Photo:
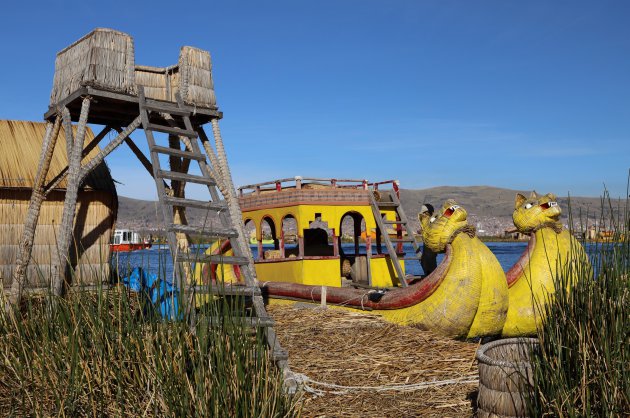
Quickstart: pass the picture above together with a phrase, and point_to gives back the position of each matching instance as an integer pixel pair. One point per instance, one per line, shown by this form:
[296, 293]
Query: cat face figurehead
[536, 211]
[440, 228]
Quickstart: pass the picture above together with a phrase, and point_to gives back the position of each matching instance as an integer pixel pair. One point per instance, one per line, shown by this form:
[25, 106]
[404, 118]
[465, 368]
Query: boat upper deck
[102, 65]
[307, 191]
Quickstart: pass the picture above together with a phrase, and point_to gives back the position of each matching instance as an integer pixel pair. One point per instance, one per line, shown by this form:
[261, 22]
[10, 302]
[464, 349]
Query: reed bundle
[195, 84]
[359, 350]
[103, 58]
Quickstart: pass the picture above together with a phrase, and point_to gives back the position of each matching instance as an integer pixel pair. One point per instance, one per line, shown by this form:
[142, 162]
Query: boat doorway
[354, 264]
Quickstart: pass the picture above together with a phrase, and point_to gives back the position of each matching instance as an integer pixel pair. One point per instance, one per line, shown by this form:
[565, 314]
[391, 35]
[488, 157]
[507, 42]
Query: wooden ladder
[403, 223]
[179, 125]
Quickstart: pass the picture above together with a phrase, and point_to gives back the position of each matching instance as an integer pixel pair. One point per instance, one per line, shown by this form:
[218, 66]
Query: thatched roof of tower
[20, 145]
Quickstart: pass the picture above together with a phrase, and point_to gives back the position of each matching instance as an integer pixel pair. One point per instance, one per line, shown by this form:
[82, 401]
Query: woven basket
[504, 377]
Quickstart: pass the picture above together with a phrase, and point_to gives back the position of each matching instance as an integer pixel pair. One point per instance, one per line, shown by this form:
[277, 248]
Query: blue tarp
[161, 295]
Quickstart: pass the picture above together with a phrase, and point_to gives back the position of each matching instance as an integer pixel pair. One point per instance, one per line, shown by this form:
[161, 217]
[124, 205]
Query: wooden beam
[90, 165]
[62, 174]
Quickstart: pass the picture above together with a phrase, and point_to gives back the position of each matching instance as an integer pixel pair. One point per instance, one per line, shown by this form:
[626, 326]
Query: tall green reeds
[583, 365]
[101, 354]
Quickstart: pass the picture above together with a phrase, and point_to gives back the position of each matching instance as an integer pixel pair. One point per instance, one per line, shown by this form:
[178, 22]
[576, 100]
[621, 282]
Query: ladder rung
[229, 290]
[213, 233]
[189, 203]
[172, 130]
[387, 205]
[178, 153]
[409, 258]
[174, 175]
[163, 108]
[214, 259]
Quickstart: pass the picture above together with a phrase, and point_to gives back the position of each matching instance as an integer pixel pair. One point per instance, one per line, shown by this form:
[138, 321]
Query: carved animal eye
[527, 206]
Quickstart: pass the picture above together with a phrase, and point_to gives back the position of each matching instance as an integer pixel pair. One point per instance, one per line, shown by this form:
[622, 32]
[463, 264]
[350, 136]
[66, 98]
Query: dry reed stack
[21, 143]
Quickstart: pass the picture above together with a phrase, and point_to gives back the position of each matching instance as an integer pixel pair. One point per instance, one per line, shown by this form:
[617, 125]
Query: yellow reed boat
[466, 295]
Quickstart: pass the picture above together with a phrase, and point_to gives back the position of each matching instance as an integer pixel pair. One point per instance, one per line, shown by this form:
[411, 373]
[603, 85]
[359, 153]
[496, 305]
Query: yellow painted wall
[304, 214]
[311, 272]
[383, 272]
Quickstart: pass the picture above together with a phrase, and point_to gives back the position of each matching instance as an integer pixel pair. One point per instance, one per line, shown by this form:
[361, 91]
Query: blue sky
[525, 95]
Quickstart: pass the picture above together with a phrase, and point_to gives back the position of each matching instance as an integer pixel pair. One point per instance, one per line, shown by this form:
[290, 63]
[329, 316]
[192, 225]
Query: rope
[331, 388]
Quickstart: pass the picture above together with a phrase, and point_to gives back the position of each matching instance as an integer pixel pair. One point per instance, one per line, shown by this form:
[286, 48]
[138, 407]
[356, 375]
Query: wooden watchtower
[97, 82]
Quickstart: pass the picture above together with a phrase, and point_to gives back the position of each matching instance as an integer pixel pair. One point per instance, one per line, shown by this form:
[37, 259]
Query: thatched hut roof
[21, 143]
[97, 205]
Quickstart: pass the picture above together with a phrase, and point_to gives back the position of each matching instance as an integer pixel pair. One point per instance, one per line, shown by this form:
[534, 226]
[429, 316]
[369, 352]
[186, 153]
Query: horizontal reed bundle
[505, 377]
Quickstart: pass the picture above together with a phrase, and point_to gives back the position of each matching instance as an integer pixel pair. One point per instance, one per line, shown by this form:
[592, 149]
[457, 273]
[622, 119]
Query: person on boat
[428, 259]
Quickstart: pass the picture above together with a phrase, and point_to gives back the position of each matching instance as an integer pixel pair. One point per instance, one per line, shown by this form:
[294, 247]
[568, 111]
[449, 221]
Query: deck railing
[297, 183]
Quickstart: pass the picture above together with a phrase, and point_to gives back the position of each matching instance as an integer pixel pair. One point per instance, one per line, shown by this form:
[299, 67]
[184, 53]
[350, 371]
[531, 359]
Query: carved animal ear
[449, 203]
[552, 197]
[533, 195]
[520, 199]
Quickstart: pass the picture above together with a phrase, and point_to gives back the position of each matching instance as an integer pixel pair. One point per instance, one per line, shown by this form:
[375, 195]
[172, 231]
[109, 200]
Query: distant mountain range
[489, 208]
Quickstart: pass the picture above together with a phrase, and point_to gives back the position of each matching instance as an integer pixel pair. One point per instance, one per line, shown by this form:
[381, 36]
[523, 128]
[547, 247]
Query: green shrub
[98, 354]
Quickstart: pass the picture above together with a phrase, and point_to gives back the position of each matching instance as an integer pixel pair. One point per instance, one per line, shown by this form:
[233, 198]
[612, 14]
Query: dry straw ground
[353, 349]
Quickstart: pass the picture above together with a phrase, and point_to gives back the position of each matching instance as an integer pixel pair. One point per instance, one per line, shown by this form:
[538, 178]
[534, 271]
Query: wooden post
[368, 255]
[37, 197]
[301, 246]
[335, 240]
[261, 253]
[74, 148]
[357, 233]
[399, 231]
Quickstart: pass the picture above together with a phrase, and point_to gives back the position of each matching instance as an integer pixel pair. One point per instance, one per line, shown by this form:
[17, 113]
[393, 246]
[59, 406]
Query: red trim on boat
[516, 270]
[129, 247]
[392, 299]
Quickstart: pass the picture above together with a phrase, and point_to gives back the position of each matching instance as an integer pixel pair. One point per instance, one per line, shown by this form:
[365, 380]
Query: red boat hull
[128, 247]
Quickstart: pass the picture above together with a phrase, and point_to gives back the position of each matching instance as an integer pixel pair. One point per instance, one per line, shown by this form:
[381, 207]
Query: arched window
[290, 237]
[268, 231]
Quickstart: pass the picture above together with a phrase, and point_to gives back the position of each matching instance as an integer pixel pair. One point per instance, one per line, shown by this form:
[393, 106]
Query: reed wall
[103, 58]
[95, 216]
[191, 77]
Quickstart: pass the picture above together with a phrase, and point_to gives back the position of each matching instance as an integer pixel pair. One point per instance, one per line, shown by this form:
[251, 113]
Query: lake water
[158, 258]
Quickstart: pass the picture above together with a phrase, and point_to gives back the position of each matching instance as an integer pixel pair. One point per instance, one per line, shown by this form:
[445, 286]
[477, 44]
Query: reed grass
[103, 353]
[581, 367]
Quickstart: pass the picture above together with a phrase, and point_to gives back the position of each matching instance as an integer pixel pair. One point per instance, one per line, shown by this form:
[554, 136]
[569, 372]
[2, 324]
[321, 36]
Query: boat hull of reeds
[552, 250]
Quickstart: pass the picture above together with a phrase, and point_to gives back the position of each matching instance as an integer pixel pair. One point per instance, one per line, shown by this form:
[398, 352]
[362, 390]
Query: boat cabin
[128, 240]
[323, 231]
